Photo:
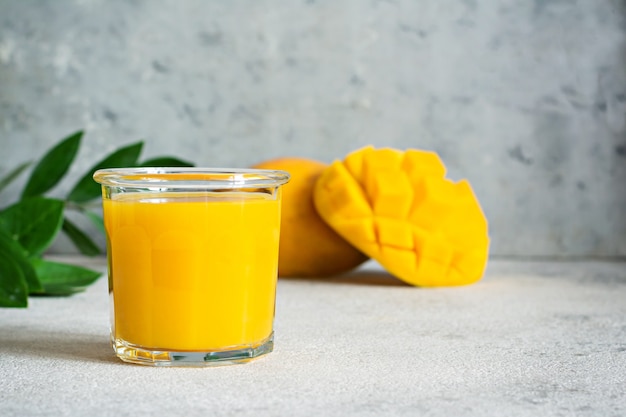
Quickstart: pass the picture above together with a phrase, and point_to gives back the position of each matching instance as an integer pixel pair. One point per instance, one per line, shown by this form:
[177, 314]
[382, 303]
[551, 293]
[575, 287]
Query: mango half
[398, 208]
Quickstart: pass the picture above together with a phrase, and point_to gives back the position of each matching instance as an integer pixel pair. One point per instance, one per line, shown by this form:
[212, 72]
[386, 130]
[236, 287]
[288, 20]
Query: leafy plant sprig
[30, 225]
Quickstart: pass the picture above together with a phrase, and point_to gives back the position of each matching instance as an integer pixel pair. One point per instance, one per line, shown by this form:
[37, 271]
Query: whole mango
[308, 246]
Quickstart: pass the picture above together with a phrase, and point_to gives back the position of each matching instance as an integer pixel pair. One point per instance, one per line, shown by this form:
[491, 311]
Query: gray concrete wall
[527, 99]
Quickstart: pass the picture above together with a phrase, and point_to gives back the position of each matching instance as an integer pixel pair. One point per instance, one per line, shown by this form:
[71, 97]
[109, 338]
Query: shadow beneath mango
[358, 277]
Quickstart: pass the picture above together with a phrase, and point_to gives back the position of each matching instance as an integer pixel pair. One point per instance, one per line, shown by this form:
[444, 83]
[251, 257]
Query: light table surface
[530, 339]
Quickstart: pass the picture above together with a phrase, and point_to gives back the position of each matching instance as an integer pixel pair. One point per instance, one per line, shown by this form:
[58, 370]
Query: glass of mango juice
[192, 263]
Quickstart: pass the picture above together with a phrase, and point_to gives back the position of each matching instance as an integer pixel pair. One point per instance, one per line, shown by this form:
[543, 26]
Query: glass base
[236, 355]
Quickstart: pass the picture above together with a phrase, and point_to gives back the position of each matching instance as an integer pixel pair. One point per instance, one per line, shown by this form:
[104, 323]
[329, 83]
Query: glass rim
[190, 177]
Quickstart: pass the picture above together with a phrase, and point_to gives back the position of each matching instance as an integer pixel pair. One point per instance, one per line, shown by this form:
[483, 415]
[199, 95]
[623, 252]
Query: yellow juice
[192, 271]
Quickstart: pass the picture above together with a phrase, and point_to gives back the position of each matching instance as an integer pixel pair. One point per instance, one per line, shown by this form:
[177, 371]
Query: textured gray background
[527, 99]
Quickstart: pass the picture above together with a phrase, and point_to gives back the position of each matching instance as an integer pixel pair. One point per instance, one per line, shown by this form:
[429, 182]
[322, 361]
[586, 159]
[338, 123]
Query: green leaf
[63, 279]
[87, 189]
[85, 245]
[33, 223]
[96, 220]
[8, 178]
[13, 287]
[165, 161]
[17, 254]
[52, 166]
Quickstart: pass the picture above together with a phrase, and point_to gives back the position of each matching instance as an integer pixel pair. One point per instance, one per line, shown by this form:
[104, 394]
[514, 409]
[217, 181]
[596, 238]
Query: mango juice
[192, 271]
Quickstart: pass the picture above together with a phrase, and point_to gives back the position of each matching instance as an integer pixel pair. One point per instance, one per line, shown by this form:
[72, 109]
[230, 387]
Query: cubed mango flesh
[398, 208]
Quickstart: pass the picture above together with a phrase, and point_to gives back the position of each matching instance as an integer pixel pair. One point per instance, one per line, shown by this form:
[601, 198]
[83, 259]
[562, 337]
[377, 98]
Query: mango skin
[398, 208]
[308, 246]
